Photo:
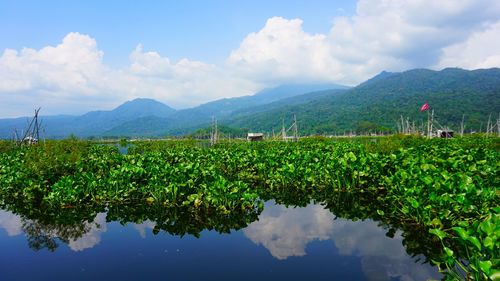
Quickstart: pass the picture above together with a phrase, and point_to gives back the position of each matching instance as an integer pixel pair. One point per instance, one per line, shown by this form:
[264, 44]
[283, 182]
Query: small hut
[255, 136]
[445, 133]
[30, 140]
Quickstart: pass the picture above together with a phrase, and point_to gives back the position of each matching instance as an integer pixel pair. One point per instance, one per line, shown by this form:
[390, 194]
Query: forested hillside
[378, 104]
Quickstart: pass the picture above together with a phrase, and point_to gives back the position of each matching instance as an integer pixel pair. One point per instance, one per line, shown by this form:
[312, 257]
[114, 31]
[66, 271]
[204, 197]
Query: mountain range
[379, 103]
[374, 105]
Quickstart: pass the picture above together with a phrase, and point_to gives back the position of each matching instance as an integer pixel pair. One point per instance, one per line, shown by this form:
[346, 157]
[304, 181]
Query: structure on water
[293, 127]
[32, 133]
[255, 136]
[214, 135]
[444, 133]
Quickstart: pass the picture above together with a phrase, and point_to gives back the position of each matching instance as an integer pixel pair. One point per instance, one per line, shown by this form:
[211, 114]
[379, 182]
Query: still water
[284, 243]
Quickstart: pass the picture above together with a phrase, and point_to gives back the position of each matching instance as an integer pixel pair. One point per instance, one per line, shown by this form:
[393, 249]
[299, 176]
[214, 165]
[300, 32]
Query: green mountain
[93, 123]
[284, 103]
[98, 122]
[188, 120]
[225, 107]
[379, 103]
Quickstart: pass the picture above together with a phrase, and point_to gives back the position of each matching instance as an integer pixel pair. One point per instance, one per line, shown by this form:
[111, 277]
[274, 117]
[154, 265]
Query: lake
[284, 243]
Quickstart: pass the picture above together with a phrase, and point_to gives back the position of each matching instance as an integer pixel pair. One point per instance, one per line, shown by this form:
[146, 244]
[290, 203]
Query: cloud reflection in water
[92, 237]
[285, 232]
[89, 237]
[143, 227]
[11, 223]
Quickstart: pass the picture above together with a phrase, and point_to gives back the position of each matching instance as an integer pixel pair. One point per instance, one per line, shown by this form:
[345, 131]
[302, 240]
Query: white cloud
[75, 65]
[149, 63]
[383, 35]
[185, 83]
[72, 77]
[481, 50]
[282, 50]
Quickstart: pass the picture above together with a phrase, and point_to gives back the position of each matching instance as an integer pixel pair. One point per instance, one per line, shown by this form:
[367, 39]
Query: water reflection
[11, 223]
[82, 229]
[286, 232]
[377, 250]
[40, 234]
[89, 233]
[93, 235]
[143, 227]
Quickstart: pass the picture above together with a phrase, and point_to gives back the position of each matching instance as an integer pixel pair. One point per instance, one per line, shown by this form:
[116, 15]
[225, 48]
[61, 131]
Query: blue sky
[198, 29]
[70, 57]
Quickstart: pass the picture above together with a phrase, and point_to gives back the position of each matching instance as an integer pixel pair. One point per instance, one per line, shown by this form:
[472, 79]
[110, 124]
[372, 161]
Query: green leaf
[485, 266]
[438, 232]
[448, 251]
[352, 156]
[436, 222]
[414, 203]
[380, 212]
[428, 180]
[486, 226]
[475, 242]
[495, 274]
[461, 232]
[488, 243]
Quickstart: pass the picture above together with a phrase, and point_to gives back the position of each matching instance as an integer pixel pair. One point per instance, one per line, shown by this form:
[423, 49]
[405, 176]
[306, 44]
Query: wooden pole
[213, 135]
[498, 125]
[488, 129]
[36, 129]
[462, 126]
[430, 123]
[402, 125]
[283, 131]
[295, 129]
[216, 132]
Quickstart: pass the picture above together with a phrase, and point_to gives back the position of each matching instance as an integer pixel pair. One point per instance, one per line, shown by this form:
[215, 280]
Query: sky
[70, 57]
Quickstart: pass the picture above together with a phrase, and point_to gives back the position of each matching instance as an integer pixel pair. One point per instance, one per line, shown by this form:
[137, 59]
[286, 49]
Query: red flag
[424, 107]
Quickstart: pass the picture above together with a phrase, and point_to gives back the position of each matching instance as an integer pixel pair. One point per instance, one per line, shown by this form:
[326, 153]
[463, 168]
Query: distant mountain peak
[296, 89]
[382, 75]
[141, 101]
[144, 107]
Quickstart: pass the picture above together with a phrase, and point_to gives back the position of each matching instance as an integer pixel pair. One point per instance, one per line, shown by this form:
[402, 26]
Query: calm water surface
[283, 244]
